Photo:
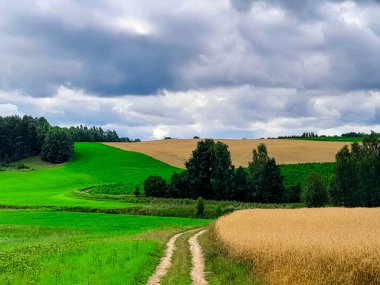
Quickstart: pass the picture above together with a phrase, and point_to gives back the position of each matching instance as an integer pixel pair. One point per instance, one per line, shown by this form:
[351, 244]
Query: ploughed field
[177, 151]
[306, 246]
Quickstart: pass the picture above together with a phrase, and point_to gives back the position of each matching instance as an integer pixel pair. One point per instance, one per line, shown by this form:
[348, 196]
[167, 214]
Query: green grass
[295, 175]
[179, 272]
[222, 267]
[94, 164]
[81, 248]
[177, 207]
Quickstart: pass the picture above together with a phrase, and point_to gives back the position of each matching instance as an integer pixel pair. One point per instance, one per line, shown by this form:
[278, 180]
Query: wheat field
[306, 246]
[177, 151]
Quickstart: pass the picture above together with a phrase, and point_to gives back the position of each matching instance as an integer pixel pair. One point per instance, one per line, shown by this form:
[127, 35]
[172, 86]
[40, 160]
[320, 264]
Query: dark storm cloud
[242, 5]
[184, 68]
[94, 57]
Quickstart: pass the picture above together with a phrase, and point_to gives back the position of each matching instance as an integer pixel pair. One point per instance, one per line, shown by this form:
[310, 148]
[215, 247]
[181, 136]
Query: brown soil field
[306, 246]
[177, 151]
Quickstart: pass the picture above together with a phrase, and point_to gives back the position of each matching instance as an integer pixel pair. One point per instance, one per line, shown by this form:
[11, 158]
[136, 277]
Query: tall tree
[222, 171]
[199, 169]
[265, 180]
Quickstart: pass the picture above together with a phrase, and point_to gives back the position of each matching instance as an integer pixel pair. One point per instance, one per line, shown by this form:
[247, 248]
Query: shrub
[155, 186]
[200, 210]
[137, 192]
[314, 192]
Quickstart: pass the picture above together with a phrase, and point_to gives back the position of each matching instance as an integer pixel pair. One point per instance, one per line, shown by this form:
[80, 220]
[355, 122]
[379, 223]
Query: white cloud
[244, 111]
[9, 110]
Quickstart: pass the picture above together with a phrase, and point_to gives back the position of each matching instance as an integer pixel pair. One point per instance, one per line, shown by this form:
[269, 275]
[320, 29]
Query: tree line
[210, 174]
[26, 136]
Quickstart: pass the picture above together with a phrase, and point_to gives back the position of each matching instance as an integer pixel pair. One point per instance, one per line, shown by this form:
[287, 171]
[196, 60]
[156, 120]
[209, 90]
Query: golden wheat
[306, 246]
[177, 151]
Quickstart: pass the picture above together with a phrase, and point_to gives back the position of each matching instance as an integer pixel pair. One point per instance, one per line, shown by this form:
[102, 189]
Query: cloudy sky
[212, 68]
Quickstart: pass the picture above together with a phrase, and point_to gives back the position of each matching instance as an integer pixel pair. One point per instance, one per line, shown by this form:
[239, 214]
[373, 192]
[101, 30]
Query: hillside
[177, 151]
[93, 164]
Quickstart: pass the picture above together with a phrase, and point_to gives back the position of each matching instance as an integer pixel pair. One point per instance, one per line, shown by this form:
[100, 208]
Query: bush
[155, 186]
[314, 192]
[200, 210]
[137, 192]
[58, 146]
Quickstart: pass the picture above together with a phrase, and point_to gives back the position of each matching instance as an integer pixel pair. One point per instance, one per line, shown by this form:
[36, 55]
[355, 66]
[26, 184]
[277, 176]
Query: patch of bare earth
[177, 151]
[166, 261]
[198, 261]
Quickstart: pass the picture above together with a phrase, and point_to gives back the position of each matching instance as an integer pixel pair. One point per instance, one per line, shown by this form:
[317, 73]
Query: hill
[177, 151]
[93, 164]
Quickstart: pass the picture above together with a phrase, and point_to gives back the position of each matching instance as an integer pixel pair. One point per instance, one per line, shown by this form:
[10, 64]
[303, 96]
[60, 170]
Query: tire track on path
[198, 261]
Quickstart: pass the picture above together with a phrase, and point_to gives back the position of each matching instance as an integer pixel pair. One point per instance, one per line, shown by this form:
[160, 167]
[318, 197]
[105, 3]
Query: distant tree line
[315, 135]
[304, 135]
[95, 134]
[210, 174]
[25, 136]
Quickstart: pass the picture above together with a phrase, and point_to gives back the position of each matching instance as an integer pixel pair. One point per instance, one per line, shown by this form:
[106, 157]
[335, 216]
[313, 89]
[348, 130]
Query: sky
[208, 68]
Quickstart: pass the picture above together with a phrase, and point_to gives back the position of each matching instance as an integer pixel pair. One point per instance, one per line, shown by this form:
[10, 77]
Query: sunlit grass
[94, 164]
[82, 248]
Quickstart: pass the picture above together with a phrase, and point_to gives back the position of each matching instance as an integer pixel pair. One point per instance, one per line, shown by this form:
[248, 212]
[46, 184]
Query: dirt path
[198, 262]
[166, 261]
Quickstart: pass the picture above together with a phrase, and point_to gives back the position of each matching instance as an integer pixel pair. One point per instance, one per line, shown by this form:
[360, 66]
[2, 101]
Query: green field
[295, 175]
[50, 247]
[94, 164]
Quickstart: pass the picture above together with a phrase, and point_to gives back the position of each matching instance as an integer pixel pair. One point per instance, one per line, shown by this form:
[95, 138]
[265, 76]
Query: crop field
[49, 247]
[177, 151]
[306, 246]
[94, 164]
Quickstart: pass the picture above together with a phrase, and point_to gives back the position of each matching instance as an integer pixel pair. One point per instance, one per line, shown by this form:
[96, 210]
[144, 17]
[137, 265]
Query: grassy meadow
[52, 247]
[47, 246]
[94, 164]
[306, 246]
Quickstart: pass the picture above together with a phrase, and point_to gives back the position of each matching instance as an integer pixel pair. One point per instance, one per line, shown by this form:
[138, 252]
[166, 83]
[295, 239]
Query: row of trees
[95, 134]
[21, 137]
[25, 136]
[357, 175]
[356, 181]
[210, 174]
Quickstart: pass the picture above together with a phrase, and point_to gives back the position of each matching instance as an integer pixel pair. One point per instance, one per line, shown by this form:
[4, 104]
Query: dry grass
[307, 246]
[176, 151]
